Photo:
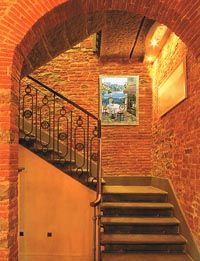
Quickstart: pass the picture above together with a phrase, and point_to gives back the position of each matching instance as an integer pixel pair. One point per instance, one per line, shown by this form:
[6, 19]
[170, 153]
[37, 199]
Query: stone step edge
[139, 239]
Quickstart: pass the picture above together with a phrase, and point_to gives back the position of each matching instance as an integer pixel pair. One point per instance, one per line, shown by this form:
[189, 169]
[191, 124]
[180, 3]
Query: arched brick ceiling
[119, 32]
[182, 17]
[60, 38]
[123, 35]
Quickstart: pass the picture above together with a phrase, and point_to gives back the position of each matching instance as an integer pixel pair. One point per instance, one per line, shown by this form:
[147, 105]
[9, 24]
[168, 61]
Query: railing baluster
[36, 118]
[54, 119]
[88, 136]
[27, 113]
[71, 138]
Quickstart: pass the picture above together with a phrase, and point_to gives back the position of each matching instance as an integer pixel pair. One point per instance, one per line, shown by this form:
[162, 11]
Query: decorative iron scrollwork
[79, 171]
[62, 136]
[79, 146]
[45, 125]
[79, 121]
[45, 100]
[94, 156]
[59, 129]
[62, 111]
[28, 89]
[27, 137]
[45, 149]
[27, 114]
[95, 131]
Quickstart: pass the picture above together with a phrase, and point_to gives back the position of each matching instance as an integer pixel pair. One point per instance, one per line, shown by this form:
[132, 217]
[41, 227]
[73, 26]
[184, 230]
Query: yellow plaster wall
[50, 201]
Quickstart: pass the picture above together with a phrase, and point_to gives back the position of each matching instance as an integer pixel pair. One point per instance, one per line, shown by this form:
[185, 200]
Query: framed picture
[173, 90]
[119, 100]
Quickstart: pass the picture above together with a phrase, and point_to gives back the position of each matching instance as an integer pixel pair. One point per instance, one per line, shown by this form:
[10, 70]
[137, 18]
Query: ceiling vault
[136, 38]
[117, 36]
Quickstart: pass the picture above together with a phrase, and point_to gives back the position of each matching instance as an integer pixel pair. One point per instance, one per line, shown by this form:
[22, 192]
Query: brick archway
[70, 22]
[23, 26]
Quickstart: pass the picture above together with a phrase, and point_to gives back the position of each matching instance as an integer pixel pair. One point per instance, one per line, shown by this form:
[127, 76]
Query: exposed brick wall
[75, 73]
[17, 18]
[176, 152]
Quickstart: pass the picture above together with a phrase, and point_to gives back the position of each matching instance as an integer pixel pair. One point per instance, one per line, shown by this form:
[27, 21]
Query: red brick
[175, 152]
[163, 11]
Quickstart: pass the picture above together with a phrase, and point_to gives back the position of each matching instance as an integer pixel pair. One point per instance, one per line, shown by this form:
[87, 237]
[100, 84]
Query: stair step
[146, 243]
[144, 257]
[142, 239]
[138, 205]
[133, 194]
[142, 225]
[136, 209]
[128, 180]
[144, 220]
[132, 189]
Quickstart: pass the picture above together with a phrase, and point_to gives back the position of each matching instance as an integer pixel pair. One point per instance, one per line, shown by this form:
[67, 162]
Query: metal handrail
[95, 204]
[63, 97]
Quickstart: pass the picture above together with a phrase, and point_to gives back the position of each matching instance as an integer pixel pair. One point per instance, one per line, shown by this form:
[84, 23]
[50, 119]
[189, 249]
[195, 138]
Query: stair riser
[163, 248]
[140, 229]
[146, 212]
[134, 198]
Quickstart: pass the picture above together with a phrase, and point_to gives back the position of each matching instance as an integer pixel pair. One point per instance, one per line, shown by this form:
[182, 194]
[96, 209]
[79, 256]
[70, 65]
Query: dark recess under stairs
[138, 225]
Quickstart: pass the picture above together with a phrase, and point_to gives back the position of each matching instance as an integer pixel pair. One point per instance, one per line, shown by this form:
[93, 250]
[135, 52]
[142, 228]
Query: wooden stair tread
[142, 239]
[140, 220]
[144, 257]
[132, 190]
[158, 205]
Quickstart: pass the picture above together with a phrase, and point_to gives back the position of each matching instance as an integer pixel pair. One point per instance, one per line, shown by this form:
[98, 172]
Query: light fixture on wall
[151, 58]
[155, 40]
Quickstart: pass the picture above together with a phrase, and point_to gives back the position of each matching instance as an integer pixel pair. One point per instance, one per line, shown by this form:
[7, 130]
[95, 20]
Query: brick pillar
[8, 163]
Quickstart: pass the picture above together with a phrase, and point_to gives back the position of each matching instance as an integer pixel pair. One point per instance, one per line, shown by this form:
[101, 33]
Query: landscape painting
[119, 100]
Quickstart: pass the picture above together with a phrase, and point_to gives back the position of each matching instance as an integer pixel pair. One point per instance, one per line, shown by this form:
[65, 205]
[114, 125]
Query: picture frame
[173, 90]
[119, 98]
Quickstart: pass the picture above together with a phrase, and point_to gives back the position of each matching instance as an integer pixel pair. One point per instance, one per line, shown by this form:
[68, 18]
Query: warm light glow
[154, 42]
[159, 32]
[150, 59]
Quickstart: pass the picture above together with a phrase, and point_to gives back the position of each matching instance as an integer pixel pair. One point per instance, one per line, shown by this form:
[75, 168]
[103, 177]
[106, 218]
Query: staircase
[137, 222]
[138, 225]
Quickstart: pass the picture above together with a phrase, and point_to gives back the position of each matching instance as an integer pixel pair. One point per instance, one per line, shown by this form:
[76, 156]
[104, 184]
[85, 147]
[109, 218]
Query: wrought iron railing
[60, 126]
[65, 132]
